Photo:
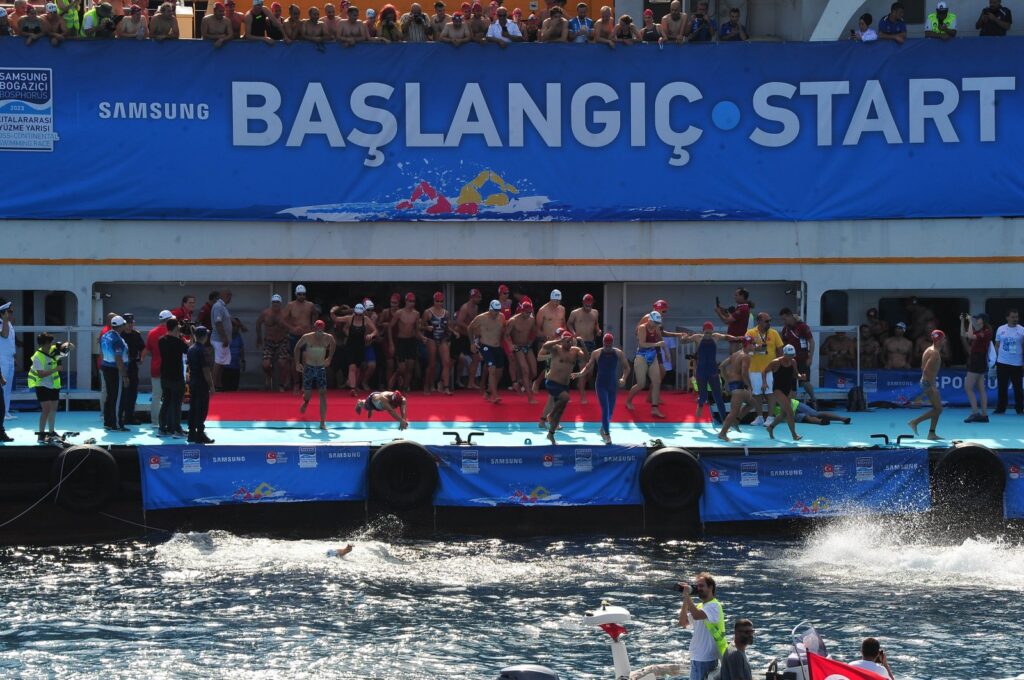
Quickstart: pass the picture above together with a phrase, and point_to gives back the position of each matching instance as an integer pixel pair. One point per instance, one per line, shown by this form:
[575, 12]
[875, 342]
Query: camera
[418, 18]
[693, 588]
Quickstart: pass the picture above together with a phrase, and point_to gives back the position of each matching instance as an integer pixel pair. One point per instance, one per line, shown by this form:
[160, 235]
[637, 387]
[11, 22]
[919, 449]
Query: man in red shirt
[737, 317]
[184, 313]
[798, 334]
[152, 350]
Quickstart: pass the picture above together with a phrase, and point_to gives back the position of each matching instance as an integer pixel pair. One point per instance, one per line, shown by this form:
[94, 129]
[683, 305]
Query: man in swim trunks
[550, 317]
[486, 330]
[736, 371]
[384, 345]
[272, 336]
[312, 357]
[299, 316]
[563, 355]
[931, 362]
[392, 403]
[352, 30]
[507, 311]
[584, 322]
[467, 312]
[783, 385]
[606, 362]
[405, 332]
[520, 332]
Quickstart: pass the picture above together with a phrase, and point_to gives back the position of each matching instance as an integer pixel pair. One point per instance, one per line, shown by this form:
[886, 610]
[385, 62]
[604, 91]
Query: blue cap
[202, 330]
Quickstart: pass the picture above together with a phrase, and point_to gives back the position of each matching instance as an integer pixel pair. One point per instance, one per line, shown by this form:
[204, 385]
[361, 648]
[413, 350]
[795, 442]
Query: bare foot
[724, 437]
[846, 421]
[551, 436]
[496, 400]
[302, 409]
[354, 393]
[629, 405]
[797, 437]
[913, 426]
[323, 426]
[472, 386]
[656, 413]
[934, 437]
[542, 423]
[771, 431]
[530, 399]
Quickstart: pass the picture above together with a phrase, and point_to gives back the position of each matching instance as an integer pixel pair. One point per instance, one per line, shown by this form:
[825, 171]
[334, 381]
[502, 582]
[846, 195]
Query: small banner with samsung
[198, 476]
[902, 387]
[1013, 498]
[539, 476]
[814, 484]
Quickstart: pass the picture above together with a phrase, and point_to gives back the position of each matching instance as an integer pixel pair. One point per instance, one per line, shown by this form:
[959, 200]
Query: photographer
[701, 27]
[44, 379]
[873, 659]
[415, 26]
[99, 23]
[708, 620]
[388, 29]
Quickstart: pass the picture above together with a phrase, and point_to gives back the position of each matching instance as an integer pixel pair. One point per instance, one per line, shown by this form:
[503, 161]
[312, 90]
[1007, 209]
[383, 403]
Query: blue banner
[814, 484]
[199, 476]
[902, 387]
[754, 131]
[1013, 499]
[539, 476]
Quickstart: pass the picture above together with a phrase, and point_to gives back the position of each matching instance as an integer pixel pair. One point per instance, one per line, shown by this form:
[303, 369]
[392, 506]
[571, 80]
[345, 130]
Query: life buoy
[671, 479]
[86, 478]
[403, 475]
[969, 477]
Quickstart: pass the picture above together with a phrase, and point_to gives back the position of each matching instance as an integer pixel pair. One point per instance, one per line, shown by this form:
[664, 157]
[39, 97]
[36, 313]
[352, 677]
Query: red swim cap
[319, 325]
[438, 296]
[661, 306]
[397, 397]
[527, 306]
[410, 297]
[708, 326]
[937, 334]
[395, 297]
[588, 299]
[567, 335]
[609, 339]
[502, 289]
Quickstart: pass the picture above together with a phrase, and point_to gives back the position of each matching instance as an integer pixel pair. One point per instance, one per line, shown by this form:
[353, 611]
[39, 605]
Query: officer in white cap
[114, 367]
[940, 24]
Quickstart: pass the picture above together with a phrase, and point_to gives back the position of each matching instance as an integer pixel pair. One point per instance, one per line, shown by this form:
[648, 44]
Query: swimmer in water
[340, 552]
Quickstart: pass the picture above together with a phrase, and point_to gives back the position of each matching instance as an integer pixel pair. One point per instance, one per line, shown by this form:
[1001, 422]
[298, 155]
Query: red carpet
[463, 406]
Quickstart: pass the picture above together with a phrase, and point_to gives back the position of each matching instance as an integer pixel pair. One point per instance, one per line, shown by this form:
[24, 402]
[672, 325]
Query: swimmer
[563, 355]
[584, 322]
[392, 403]
[486, 332]
[437, 323]
[313, 354]
[931, 362]
[520, 331]
[783, 385]
[736, 371]
[606, 362]
[340, 552]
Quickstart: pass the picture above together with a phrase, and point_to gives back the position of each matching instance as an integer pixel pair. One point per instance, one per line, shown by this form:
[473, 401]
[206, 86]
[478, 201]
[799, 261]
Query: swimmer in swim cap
[393, 403]
[313, 354]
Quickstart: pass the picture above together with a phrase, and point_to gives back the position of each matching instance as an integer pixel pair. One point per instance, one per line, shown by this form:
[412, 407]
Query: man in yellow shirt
[767, 344]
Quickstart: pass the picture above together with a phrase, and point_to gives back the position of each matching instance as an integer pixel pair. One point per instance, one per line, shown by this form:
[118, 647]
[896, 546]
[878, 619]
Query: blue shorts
[737, 385]
[650, 354]
[370, 354]
[555, 389]
[494, 357]
[590, 345]
[314, 376]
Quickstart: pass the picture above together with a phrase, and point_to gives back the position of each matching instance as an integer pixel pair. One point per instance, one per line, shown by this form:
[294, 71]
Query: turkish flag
[827, 669]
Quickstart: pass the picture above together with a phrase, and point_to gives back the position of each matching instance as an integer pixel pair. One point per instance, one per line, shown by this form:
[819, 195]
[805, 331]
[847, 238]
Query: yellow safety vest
[48, 363]
[717, 630]
[933, 21]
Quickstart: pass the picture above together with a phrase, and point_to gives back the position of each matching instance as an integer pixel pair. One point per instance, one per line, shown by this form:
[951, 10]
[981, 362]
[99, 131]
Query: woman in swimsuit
[651, 32]
[625, 32]
[435, 322]
[359, 333]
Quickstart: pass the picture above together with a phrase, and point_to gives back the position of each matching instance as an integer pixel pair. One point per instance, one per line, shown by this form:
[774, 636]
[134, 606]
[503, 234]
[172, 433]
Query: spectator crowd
[348, 25]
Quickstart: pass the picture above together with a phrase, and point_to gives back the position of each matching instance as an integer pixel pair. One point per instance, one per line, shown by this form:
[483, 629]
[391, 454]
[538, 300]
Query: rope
[142, 526]
[56, 487]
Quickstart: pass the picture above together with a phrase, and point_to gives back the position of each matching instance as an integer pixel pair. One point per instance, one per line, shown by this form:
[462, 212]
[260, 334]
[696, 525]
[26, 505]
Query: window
[835, 308]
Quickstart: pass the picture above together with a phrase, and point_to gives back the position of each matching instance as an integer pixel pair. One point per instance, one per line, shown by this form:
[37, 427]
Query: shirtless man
[555, 29]
[520, 332]
[478, 24]
[736, 371]
[673, 24]
[299, 316]
[507, 311]
[133, 26]
[313, 31]
[840, 350]
[604, 28]
[925, 341]
[216, 26]
[438, 20]
[352, 30]
[897, 349]
[550, 318]
[392, 403]
[456, 33]
[53, 24]
[384, 345]
[312, 357]
[562, 355]
[467, 312]
[331, 22]
[236, 18]
[272, 336]
[487, 330]
[406, 333]
[879, 328]
[931, 362]
[584, 322]
[870, 350]
[163, 25]
[293, 24]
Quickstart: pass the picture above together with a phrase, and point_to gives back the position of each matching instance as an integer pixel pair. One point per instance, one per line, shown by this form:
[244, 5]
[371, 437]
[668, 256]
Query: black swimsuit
[651, 34]
[785, 379]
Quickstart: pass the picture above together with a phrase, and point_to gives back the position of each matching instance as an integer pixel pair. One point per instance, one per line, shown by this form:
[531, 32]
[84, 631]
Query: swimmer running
[563, 355]
[606, 361]
[312, 357]
[392, 403]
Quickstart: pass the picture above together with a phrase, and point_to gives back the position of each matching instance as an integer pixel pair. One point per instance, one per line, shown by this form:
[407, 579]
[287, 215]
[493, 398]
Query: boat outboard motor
[527, 671]
[805, 639]
[610, 620]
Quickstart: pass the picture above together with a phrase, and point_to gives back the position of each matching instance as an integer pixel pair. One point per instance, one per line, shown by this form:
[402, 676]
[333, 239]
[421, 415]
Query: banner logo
[26, 109]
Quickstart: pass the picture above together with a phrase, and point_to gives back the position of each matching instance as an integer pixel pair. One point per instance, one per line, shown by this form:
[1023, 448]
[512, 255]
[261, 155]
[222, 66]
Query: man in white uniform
[8, 350]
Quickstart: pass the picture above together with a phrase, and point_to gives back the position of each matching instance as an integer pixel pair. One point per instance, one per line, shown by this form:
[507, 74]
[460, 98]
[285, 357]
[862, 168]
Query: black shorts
[977, 362]
[406, 349]
[494, 357]
[803, 366]
[460, 345]
[47, 394]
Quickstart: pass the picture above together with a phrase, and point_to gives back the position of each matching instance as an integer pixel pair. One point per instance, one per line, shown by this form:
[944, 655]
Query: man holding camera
[708, 620]
[873, 659]
[414, 25]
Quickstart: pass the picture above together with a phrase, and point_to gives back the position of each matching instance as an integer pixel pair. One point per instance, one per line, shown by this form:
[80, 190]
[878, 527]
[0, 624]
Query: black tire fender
[86, 477]
[969, 471]
[403, 475]
[671, 479]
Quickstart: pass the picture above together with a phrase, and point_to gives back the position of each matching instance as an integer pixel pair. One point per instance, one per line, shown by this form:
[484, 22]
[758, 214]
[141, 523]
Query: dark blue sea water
[214, 605]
